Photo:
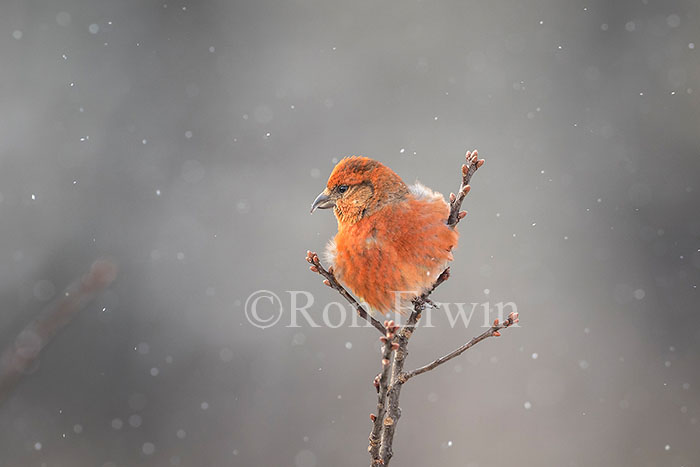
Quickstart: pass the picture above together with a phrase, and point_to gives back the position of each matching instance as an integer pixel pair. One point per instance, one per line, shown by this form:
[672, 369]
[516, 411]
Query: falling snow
[190, 104]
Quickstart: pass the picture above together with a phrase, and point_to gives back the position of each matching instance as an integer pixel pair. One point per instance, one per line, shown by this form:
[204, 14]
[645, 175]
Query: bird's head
[359, 186]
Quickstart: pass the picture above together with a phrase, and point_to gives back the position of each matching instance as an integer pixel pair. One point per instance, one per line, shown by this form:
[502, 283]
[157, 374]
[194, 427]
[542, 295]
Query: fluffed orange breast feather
[403, 247]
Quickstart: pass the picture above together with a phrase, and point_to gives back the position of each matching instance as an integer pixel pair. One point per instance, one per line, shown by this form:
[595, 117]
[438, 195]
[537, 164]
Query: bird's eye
[342, 189]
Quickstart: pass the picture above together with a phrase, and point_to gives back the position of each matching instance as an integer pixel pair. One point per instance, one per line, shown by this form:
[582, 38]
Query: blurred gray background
[186, 140]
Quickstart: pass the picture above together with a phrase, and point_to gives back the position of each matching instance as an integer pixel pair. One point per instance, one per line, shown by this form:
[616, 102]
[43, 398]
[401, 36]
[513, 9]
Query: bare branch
[468, 169]
[333, 283]
[393, 411]
[492, 331]
[19, 356]
[381, 382]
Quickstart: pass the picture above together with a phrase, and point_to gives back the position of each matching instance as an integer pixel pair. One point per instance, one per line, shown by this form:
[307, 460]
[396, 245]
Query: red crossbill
[393, 240]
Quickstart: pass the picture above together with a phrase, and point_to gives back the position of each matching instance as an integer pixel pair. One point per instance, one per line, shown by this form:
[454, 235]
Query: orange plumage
[392, 241]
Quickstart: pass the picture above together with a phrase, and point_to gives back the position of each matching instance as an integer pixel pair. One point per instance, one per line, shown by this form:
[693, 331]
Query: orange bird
[393, 240]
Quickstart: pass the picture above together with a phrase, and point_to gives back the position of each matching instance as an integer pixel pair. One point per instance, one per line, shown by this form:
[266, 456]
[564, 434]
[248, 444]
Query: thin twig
[19, 356]
[399, 377]
[492, 331]
[468, 169]
[333, 283]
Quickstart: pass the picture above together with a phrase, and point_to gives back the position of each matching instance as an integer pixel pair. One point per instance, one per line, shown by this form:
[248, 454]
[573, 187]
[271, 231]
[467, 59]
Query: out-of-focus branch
[332, 282]
[26, 347]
